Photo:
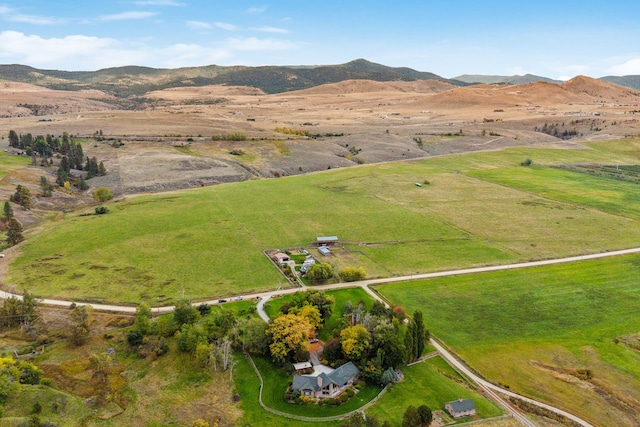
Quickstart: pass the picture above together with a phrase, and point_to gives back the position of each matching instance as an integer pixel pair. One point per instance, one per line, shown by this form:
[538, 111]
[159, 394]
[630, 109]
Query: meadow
[431, 383]
[208, 242]
[535, 329]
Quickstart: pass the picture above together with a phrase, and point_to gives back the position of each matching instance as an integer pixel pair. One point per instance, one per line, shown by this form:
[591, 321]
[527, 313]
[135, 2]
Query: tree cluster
[15, 372]
[69, 151]
[417, 417]
[375, 341]
[15, 312]
[22, 197]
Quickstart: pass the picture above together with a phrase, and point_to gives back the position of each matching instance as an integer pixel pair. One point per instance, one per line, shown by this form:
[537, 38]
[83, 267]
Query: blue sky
[558, 39]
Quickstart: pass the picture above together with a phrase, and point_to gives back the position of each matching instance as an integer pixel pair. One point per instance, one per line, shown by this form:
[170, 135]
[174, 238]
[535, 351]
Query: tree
[14, 140]
[319, 272]
[8, 211]
[411, 418]
[426, 416]
[79, 324]
[143, 318]
[419, 334]
[47, 188]
[352, 274]
[315, 298]
[355, 341]
[310, 313]
[288, 334]
[14, 232]
[388, 377]
[22, 196]
[185, 313]
[102, 194]
[409, 346]
[254, 336]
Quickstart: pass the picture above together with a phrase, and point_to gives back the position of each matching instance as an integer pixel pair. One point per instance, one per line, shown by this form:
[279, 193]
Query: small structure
[324, 250]
[326, 384]
[326, 240]
[306, 265]
[460, 408]
[301, 366]
[281, 257]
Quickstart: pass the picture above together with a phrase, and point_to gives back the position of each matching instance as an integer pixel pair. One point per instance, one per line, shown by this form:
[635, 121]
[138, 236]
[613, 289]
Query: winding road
[491, 389]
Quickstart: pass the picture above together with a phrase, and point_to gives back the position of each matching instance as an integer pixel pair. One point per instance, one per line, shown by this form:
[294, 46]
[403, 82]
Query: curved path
[490, 388]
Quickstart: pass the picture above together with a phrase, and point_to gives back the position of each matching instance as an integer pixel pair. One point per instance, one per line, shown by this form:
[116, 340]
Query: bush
[102, 194]
[350, 392]
[352, 274]
[134, 337]
[101, 210]
[527, 162]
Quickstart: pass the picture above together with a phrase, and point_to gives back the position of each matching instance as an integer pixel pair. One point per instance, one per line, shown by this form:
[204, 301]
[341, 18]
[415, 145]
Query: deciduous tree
[288, 334]
[355, 341]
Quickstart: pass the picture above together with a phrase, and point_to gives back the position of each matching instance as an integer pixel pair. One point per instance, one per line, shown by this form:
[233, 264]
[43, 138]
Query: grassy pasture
[208, 242]
[432, 383]
[601, 193]
[532, 329]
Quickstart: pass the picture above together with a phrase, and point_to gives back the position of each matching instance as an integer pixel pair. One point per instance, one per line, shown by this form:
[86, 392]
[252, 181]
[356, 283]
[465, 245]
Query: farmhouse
[460, 408]
[281, 257]
[326, 384]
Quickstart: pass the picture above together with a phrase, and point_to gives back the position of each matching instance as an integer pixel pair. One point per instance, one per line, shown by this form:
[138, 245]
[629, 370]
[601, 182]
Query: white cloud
[198, 25]
[124, 16]
[184, 55]
[10, 15]
[267, 29]
[253, 43]
[630, 67]
[225, 26]
[254, 9]
[35, 50]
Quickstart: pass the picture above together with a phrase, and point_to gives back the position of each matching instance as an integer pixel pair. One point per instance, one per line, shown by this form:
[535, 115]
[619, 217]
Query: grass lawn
[276, 382]
[208, 242]
[247, 385]
[432, 383]
[532, 329]
[9, 163]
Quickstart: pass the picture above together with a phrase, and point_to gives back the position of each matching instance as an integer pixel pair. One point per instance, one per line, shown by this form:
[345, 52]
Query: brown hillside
[367, 86]
[197, 92]
[599, 89]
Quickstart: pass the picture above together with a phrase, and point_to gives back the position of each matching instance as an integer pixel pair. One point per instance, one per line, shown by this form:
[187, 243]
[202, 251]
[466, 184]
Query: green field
[432, 383]
[533, 328]
[208, 242]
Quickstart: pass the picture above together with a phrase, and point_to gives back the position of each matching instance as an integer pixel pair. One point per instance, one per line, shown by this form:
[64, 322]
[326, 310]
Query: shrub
[102, 194]
[527, 162]
[101, 210]
[350, 392]
[134, 337]
[352, 274]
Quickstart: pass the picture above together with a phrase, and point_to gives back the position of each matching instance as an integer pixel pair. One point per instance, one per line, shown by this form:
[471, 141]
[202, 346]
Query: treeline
[69, 152]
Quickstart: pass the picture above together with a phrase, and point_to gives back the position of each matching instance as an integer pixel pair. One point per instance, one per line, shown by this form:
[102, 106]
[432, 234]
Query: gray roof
[339, 376]
[461, 405]
[323, 239]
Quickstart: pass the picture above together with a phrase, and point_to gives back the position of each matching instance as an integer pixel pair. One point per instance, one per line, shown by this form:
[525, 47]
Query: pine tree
[8, 211]
[14, 140]
[419, 334]
[14, 232]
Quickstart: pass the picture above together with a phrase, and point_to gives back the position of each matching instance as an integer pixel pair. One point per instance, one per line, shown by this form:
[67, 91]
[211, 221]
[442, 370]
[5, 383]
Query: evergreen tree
[47, 188]
[14, 232]
[8, 211]
[14, 140]
[409, 341]
[101, 169]
[419, 334]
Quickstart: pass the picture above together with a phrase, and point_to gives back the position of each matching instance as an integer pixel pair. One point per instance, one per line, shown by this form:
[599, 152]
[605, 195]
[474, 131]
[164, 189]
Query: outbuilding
[281, 257]
[326, 240]
[460, 408]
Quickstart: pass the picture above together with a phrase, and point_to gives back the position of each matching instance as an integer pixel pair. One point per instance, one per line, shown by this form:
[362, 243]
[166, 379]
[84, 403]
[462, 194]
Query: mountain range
[135, 81]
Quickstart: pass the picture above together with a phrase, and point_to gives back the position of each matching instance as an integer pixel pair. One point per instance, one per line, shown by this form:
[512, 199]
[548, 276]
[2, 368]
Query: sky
[558, 39]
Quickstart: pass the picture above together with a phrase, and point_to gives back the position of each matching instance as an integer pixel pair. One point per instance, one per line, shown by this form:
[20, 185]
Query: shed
[460, 408]
[326, 240]
[301, 366]
[324, 250]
